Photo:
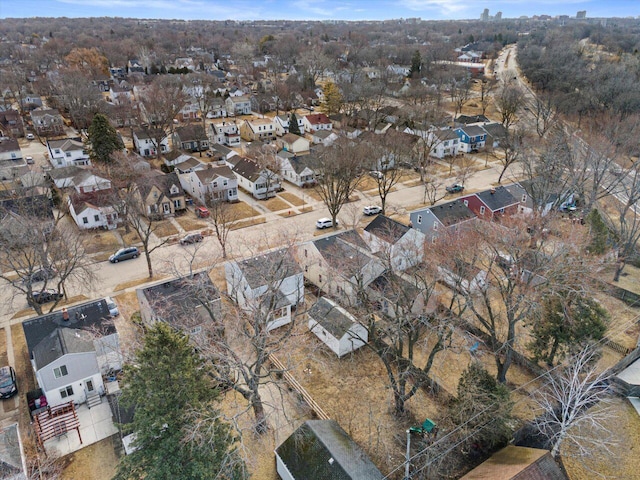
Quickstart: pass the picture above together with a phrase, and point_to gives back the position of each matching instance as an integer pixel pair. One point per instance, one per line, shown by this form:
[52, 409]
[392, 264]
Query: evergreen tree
[103, 139]
[332, 102]
[293, 124]
[599, 233]
[178, 430]
[416, 65]
[483, 406]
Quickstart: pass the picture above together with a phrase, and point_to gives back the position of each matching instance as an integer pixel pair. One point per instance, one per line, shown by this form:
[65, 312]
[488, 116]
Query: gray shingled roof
[497, 198]
[265, 268]
[340, 252]
[322, 450]
[452, 213]
[387, 229]
[335, 319]
[61, 342]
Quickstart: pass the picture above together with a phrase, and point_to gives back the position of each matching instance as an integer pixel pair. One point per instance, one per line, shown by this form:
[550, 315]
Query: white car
[31, 136]
[111, 305]
[372, 210]
[29, 160]
[376, 174]
[325, 223]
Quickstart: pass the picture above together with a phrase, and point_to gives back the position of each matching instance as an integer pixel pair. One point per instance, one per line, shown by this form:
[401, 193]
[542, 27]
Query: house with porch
[492, 203]
[145, 143]
[240, 105]
[259, 182]
[68, 152]
[226, 133]
[48, 122]
[70, 351]
[336, 328]
[93, 211]
[10, 158]
[191, 138]
[401, 246]
[471, 138]
[211, 184]
[297, 169]
[161, 194]
[281, 123]
[191, 304]
[444, 219]
[271, 283]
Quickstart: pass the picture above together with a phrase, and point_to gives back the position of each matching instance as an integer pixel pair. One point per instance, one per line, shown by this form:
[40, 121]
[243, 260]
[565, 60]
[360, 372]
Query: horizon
[314, 10]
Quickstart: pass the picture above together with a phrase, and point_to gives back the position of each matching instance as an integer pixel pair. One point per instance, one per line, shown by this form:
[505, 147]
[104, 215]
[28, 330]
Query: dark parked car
[8, 383]
[191, 238]
[455, 188]
[46, 296]
[40, 275]
[124, 254]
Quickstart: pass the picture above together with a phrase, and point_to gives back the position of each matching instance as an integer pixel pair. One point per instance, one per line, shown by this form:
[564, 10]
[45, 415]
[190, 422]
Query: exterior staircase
[93, 399]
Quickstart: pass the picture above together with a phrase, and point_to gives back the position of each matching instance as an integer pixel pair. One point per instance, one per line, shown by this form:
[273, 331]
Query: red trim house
[491, 203]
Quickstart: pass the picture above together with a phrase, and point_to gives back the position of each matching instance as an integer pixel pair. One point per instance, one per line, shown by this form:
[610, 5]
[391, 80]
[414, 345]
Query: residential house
[399, 70]
[518, 463]
[339, 265]
[30, 102]
[191, 304]
[260, 182]
[93, 211]
[174, 157]
[321, 449]
[444, 143]
[496, 133]
[472, 138]
[316, 121]
[12, 164]
[525, 190]
[395, 296]
[13, 210]
[240, 105]
[120, 93]
[221, 153]
[290, 142]
[135, 66]
[281, 123]
[190, 164]
[71, 349]
[190, 111]
[324, 137]
[217, 109]
[447, 218]
[68, 152]
[401, 246]
[226, 133]
[470, 120]
[48, 123]
[488, 204]
[270, 284]
[144, 142]
[297, 170]
[336, 328]
[261, 129]
[11, 124]
[63, 177]
[191, 137]
[463, 277]
[161, 194]
[211, 184]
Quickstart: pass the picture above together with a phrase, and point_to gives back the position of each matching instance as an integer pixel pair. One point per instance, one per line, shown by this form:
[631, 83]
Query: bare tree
[339, 169]
[460, 91]
[573, 403]
[433, 189]
[224, 218]
[487, 86]
[509, 101]
[511, 145]
[545, 113]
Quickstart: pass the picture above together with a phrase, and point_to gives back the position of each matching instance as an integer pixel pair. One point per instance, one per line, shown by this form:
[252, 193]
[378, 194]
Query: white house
[67, 152]
[297, 170]
[401, 246]
[92, 212]
[463, 277]
[261, 129]
[293, 143]
[271, 283]
[281, 123]
[240, 105]
[336, 327]
[145, 145]
[260, 182]
[444, 143]
[317, 121]
[226, 133]
[324, 137]
[211, 184]
[70, 350]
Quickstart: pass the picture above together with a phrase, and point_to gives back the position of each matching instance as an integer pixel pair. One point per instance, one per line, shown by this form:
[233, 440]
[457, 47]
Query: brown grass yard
[276, 204]
[164, 228]
[104, 241]
[241, 210]
[291, 198]
[248, 223]
[190, 224]
[130, 238]
[95, 462]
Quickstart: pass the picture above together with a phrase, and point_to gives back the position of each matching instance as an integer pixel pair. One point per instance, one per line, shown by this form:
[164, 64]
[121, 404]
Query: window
[66, 392]
[466, 203]
[96, 218]
[306, 253]
[68, 154]
[306, 269]
[60, 371]
[215, 184]
[481, 210]
[195, 330]
[85, 220]
[419, 219]
[319, 278]
[435, 227]
[501, 210]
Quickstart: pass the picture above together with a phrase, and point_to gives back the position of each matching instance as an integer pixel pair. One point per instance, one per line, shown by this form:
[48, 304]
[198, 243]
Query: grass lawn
[101, 242]
[312, 193]
[139, 281]
[248, 223]
[241, 211]
[164, 228]
[190, 224]
[291, 198]
[275, 204]
[130, 238]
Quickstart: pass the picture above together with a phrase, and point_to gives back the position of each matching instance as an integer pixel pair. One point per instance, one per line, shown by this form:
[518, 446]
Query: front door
[89, 385]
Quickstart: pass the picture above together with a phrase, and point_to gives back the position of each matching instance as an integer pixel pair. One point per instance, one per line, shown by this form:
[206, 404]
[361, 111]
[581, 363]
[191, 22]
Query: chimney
[493, 190]
[65, 315]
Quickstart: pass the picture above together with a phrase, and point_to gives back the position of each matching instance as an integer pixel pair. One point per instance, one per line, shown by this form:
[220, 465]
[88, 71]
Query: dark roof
[445, 134]
[180, 299]
[518, 463]
[191, 132]
[496, 130]
[452, 213]
[208, 175]
[60, 342]
[394, 288]
[473, 130]
[389, 230]
[39, 206]
[267, 267]
[299, 163]
[92, 316]
[9, 145]
[322, 450]
[335, 319]
[497, 198]
[467, 119]
[221, 149]
[247, 168]
[344, 251]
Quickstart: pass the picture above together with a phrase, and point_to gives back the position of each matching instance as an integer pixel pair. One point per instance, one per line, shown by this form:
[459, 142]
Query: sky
[312, 9]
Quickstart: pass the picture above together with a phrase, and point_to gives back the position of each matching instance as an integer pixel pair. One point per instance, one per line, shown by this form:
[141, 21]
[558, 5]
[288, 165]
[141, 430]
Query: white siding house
[336, 327]
[145, 144]
[67, 152]
[216, 183]
[401, 245]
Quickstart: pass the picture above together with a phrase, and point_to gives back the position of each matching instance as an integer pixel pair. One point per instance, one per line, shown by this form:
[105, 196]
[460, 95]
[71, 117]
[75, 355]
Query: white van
[325, 223]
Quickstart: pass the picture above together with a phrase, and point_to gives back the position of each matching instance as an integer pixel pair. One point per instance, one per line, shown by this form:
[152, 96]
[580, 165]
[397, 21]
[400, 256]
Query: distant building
[498, 16]
[581, 14]
[485, 15]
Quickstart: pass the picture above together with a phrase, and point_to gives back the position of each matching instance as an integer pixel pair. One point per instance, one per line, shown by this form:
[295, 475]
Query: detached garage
[336, 327]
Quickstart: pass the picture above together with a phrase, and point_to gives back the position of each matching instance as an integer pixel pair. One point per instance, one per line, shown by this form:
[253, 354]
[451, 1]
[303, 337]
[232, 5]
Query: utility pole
[406, 463]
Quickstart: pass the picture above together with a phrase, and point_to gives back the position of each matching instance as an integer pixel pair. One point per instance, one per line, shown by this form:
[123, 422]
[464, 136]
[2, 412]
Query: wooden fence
[293, 383]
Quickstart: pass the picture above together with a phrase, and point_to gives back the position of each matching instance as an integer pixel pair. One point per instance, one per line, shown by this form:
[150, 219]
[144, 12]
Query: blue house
[472, 138]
